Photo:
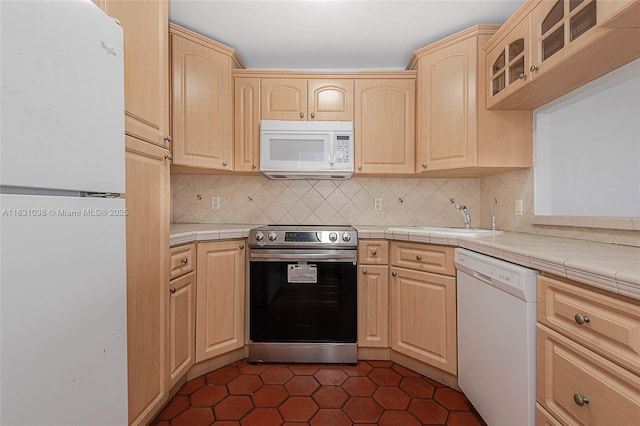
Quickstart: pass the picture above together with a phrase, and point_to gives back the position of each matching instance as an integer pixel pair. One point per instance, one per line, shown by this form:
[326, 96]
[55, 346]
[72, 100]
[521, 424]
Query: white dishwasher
[497, 303]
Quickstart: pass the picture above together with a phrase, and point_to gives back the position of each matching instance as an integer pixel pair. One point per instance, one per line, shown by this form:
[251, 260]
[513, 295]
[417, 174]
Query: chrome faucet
[492, 215]
[465, 215]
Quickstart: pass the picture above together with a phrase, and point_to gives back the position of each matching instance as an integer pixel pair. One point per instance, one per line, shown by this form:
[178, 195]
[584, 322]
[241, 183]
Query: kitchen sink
[466, 232]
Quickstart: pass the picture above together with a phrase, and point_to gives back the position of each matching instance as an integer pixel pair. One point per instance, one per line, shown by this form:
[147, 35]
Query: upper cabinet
[202, 100]
[457, 135]
[247, 124]
[302, 99]
[384, 125]
[146, 64]
[550, 47]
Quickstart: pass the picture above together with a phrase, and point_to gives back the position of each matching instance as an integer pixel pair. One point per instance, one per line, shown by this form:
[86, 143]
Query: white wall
[587, 149]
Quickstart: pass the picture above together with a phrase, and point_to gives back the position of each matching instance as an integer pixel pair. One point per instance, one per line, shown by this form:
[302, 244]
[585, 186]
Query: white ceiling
[333, 35]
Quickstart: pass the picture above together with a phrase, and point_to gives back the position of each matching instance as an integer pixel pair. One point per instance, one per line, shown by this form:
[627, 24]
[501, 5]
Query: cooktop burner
[311, 236]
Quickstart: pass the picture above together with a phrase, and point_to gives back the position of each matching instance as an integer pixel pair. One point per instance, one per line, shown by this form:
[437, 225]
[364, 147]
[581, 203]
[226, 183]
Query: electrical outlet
[215, 203]
[377, 204]
[518, 207]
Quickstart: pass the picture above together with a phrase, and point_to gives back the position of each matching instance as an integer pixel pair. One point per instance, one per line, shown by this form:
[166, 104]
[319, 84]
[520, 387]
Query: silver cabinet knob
[241, 246]
[424, 165]
[359, 167]
[523, 76]
[225, 163]
[184, 260]
[580, 399]
[168, 139]
[253, 166]
[364, 271]
[313, 115]
[394, 274]
[581, 319]
[172, 290]
[418, 257]
[301, 114]
[168, 157]
[374, 252]
[533, 68]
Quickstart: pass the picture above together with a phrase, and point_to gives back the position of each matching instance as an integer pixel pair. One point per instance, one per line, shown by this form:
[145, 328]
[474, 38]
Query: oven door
[303, 296]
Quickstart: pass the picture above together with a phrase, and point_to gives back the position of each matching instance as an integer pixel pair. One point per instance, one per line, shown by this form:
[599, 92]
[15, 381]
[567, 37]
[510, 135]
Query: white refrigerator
[63, 342]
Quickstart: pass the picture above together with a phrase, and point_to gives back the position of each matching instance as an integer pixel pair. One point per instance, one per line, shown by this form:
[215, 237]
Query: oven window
[283, 309]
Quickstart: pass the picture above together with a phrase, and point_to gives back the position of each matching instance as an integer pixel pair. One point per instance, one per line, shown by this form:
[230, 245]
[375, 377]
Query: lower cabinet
[588, 355]
[423, 304]
[220, 298]
[373, 294]
[182, 315]
[147, 203]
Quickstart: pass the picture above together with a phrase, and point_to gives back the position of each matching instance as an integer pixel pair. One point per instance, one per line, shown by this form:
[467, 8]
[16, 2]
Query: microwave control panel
[343, 148]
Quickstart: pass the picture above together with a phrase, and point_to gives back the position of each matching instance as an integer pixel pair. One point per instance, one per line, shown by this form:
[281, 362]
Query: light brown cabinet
[423, 304]
[202, 100]
[247, 125]
[568, 45]
[220, 293]
[373, 294]
[588, 354]
[147, 203]
[146, 87]
[307, 99]
[457, 135]
[384, 124]
[182, 315]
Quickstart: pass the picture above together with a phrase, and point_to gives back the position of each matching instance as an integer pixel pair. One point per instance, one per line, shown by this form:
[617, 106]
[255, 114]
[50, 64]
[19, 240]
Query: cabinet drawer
[182, 260]
[373, 252]
[568, 372]
[604, 324]
[423, 257]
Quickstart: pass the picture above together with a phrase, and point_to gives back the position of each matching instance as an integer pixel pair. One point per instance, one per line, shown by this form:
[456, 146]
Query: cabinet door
[508, 63]
[448, 136]
[373, 306]
[619, 14]
[568, 373]
[146, 83]
[283, 99]
[247, 125]
[220, 298]
[385, 126]
[202, 105]
[182, 316]
[423, 317]
[330, 100]
[147, 203]
[559, 29]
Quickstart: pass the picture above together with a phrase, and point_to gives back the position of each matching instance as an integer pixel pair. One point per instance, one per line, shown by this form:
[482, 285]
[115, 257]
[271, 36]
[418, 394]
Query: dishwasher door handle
[482, 277]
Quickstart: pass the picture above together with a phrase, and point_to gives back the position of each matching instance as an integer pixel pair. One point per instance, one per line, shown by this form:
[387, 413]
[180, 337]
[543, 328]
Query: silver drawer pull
[172, 290]
[580, 399]
[184, 260]
[581, 319]
[394, 274]
[374, 252]
[418, 257]
[241, 246]
[364, 271]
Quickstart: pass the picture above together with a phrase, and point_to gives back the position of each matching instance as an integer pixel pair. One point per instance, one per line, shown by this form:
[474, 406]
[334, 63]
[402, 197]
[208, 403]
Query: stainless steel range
[303, 294]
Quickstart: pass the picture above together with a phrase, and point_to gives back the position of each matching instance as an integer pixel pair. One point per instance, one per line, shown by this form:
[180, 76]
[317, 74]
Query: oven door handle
[304, 255]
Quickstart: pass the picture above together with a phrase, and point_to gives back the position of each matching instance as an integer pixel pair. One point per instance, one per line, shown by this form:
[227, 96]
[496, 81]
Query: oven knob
[259, 236]
[333, 236]
[346, 236]
[272, 236]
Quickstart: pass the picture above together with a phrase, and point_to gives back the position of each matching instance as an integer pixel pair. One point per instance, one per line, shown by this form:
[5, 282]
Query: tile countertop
[614, 268]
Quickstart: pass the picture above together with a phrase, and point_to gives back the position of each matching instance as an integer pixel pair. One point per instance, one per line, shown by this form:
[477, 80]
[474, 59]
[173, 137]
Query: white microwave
[306, 149]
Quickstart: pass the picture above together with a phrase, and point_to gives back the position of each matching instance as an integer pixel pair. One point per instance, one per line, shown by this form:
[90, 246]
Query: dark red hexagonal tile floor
[371, 392]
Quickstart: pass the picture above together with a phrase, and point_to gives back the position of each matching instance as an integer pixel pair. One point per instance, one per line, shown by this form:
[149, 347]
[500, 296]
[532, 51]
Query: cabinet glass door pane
[498, 64]
[583, 21]
[555, 15]
[516, 70]
[516, 48]
[553, 43]
[574, 3]
[498, 83]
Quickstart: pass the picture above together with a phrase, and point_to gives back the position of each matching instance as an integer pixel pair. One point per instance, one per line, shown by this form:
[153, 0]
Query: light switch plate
[518, 207]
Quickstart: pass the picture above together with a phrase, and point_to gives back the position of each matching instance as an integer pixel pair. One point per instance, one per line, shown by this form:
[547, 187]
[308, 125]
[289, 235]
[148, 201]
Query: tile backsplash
[405, 202]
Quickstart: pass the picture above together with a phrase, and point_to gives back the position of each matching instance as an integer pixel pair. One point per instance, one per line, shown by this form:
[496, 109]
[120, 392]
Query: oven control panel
[297, 237]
